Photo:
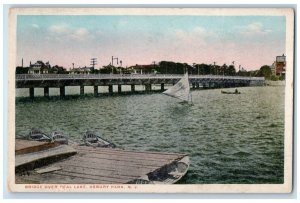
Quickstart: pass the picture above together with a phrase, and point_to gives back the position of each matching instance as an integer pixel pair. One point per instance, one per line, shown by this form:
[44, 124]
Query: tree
[230, 70]
[264, 71]
[21, 70]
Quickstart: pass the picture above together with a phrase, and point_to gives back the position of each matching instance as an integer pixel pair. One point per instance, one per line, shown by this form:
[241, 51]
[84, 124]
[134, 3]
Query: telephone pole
[93, 62]
[112, 60]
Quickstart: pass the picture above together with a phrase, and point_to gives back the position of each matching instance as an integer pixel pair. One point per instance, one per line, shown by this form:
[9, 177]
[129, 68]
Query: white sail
[180, 90]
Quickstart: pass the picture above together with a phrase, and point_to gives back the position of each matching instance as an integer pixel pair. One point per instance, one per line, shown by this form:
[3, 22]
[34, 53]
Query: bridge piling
[110, 89]
[81, 90]
[46, 91]
[148, 87]
[132, 88]
[95, 91]
[31, 93]
[62, 91]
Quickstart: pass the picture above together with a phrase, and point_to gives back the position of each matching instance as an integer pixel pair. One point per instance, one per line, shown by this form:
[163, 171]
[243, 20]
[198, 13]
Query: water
[230, 138]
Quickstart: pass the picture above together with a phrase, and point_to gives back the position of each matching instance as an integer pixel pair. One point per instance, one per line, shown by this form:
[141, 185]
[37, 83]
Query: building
[39, 68]
[81, 70]
[279, 65]
[57, 69]
[142, 69]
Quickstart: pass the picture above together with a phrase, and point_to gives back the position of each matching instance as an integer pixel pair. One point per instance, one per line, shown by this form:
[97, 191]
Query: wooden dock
[100, 166]
[25, 146]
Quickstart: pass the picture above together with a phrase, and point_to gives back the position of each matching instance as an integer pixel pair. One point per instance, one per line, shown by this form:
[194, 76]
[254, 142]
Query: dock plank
[137, 156]
[108, 172]
[29, 146]
[121, 151]
[127, 169]
[120, 161]
[85, 175]
[35, 156]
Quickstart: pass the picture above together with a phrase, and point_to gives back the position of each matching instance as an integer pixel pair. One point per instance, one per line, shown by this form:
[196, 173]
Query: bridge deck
[21, 77]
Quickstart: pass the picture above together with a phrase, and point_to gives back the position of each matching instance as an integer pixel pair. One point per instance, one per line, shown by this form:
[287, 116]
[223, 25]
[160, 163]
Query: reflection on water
[230, 138]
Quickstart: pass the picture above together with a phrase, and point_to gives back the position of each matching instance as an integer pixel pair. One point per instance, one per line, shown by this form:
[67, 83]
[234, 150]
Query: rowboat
[59, 137]
[170, 174]
[227, 92]
[37, 135]
[91, 138]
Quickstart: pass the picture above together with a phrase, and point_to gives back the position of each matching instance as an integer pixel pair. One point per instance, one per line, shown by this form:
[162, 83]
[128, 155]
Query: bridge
[60, 81]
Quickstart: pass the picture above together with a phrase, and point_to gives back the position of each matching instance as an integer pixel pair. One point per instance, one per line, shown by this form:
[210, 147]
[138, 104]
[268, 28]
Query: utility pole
[154, 66]
[112, 60]
[93, 62]
[215, 68]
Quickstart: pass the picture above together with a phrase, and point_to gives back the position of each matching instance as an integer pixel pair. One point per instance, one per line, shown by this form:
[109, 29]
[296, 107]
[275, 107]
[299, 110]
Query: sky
[249, 41]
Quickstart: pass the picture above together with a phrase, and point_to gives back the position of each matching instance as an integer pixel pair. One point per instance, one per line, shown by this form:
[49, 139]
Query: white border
[212, 188]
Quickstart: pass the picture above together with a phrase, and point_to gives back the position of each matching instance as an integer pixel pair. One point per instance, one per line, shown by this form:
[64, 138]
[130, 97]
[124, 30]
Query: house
[142, 69]
[280, 65]
[57, 69]
[81, 70]
[39, 68]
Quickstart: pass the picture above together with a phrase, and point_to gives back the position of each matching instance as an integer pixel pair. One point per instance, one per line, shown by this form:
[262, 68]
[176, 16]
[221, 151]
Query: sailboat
[181, 90]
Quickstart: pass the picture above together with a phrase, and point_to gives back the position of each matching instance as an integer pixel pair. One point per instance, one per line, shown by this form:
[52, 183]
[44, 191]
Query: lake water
[230, 138]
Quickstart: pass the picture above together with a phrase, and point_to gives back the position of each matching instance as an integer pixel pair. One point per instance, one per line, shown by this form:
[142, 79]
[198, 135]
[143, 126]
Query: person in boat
[236, 91]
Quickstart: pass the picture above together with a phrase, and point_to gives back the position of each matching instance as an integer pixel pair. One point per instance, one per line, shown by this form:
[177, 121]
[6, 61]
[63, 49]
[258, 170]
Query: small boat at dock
[91, 138]
[169, 174]
[37, 135]
[59, 137]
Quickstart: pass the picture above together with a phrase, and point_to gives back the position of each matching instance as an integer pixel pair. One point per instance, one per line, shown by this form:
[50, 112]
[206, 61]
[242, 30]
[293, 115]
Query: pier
[61, 81]
[88, 166]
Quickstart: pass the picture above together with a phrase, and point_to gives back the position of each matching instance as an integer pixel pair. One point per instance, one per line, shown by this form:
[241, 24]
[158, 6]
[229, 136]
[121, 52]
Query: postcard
[151, 100]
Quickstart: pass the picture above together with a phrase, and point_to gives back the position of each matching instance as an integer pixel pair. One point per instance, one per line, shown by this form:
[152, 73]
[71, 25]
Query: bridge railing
[125, 76]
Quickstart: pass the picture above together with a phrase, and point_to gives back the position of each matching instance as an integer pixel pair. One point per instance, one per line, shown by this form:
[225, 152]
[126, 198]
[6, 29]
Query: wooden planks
[29, 146]
[48, 169]
[60, 150]
[103, 165]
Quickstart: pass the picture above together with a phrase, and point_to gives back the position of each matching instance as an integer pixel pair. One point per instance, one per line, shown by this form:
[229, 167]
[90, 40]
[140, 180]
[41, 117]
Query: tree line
[169, 67]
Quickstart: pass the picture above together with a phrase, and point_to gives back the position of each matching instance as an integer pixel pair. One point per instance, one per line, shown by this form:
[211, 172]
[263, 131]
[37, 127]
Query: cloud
[80, 34]
[35, 26]
[59, 29]
[252, 29]
[63, 32]
[198, 35]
